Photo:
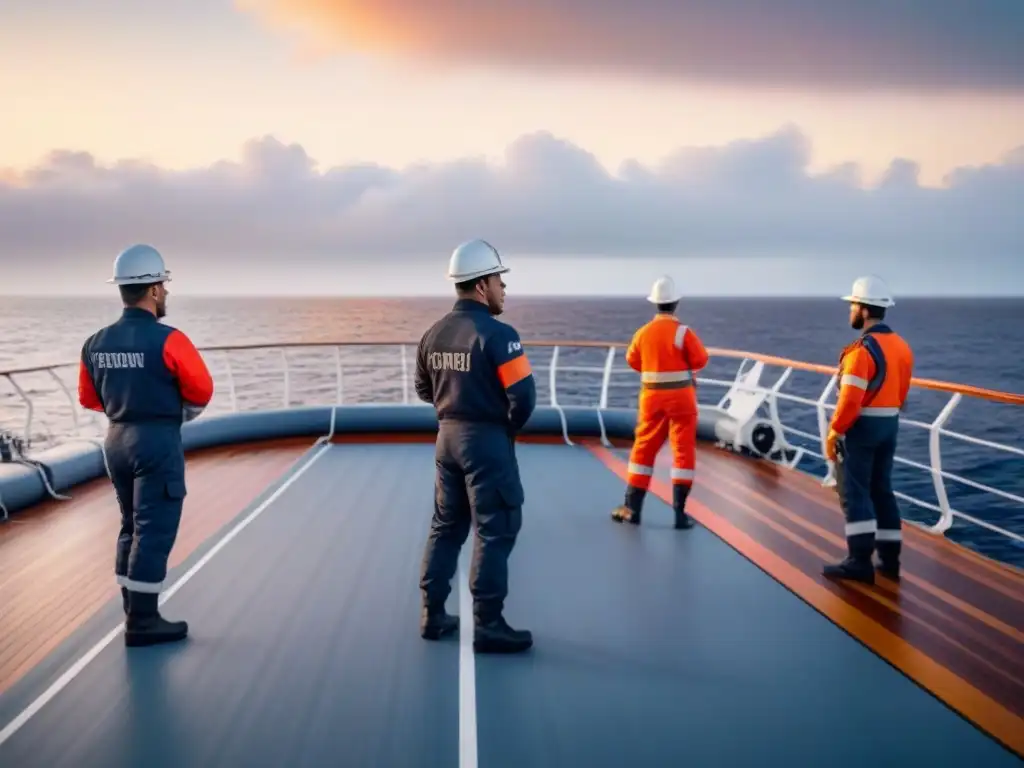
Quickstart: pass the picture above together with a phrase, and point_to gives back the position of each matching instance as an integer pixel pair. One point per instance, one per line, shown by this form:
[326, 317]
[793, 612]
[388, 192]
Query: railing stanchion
[553, 386]
[29, 412]
[823, 421]
[606, 377]
[945, 521]
[553, 378]
[71, 399]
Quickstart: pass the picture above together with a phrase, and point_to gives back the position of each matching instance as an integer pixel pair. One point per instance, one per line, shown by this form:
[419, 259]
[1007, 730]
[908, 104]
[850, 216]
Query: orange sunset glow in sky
[806, 125]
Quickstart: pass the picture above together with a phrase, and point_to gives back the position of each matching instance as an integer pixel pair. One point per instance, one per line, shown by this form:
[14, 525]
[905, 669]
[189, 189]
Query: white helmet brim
[141, 279]
[479, 273]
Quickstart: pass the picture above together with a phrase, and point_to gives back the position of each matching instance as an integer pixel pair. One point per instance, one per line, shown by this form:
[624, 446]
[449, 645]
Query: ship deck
[297, 570]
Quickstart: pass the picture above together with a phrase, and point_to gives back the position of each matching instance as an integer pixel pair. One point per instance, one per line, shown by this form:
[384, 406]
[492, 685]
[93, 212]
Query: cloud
[909, 45]
[548, 197]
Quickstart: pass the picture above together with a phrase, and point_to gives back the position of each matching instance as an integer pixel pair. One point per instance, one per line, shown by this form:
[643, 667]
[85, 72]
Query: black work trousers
[864, 482]
[147, 467]
[477, 479]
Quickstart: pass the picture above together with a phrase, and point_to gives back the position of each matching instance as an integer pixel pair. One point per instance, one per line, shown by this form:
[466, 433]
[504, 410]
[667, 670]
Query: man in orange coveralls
[875, 373]
[667, 354]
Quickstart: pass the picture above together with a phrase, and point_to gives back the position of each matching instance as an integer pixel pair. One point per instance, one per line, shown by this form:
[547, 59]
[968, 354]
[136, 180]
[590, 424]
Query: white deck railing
[40, 409]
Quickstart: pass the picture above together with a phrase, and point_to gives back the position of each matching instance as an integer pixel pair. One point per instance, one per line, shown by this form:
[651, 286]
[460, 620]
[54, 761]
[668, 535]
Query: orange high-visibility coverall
[667, 354]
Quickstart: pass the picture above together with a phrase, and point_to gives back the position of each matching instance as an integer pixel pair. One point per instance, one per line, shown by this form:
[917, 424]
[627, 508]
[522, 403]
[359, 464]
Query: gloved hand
[830, 444]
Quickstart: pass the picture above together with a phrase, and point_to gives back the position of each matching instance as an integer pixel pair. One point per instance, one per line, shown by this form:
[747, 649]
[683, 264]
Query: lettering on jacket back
[119, 359]
[472, 368]
[450, 361]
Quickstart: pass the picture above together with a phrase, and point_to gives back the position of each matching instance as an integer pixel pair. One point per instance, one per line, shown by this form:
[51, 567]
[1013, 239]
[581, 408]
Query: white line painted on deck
[467, 676]
[75, 669]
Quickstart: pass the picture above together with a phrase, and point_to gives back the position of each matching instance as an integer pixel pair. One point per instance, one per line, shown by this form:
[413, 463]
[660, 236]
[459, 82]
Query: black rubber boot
[852, 568]
[889, 558]
[144, 624]
[630, 510]
[679, 495]
[436, 623]
[498, 637]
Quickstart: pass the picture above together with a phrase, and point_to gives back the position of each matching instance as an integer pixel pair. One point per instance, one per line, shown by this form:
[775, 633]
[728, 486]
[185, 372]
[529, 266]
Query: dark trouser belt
[666, 384]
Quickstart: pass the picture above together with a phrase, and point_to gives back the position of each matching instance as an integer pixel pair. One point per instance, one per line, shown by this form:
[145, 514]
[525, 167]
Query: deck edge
[959, 695]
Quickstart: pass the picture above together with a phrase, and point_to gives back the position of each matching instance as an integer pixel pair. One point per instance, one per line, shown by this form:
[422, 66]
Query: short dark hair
[467, 286]
[875, 313]
[131, 295]
[668, 306]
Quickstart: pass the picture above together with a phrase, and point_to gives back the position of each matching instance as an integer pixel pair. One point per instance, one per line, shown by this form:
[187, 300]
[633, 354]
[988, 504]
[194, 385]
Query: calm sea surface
[970, 341]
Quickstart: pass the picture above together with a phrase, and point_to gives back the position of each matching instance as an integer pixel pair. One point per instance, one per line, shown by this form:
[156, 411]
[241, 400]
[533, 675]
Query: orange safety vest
[874, 377]
[667, 354]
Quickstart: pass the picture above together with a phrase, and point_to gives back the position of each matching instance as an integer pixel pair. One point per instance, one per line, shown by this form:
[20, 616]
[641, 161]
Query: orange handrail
[799, 365]
[981, 393]
[939, 386]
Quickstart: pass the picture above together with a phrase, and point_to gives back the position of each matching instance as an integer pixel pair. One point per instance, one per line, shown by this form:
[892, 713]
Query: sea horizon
[967, 341]
[515, 293]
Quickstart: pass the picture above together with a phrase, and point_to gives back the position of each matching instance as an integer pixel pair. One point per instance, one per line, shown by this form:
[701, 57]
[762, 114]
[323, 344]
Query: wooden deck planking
[57, 559]
[960, 612]
[931, 576]
[953, 560]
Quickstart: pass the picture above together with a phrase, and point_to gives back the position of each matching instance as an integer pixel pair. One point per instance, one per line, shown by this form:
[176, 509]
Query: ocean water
[978, 342]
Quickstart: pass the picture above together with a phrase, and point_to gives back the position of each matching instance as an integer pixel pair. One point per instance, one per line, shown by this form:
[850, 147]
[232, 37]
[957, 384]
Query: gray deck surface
[653, 648]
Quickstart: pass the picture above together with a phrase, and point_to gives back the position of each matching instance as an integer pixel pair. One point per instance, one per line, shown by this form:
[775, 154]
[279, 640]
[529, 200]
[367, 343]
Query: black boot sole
[437, 631]
[487, 640]
[501, 647]
[144, 639]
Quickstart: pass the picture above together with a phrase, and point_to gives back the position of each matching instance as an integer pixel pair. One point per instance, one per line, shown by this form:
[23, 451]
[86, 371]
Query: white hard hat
[663, 291]
[870, 290]
[473, 259]
[139, 265]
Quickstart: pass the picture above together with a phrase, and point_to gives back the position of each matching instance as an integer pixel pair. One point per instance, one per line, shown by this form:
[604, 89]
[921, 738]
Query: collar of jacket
[470, 305]
[134, 313]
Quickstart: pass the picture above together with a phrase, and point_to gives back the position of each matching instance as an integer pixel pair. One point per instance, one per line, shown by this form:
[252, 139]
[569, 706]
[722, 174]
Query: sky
[311, 146]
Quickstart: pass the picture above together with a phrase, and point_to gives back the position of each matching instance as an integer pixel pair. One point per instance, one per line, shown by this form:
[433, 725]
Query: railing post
[735, 380]
[776, 418]
[553, 377]
[606, 378]
[68, 395]
[30, 410]
[935, 456]
[553, 385]
[823, 421]
[777, 386]
[287, 378]
[602, 403]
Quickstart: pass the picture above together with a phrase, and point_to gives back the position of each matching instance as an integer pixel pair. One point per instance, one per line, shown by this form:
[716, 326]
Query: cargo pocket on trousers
[175, 490]
[512, 500]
